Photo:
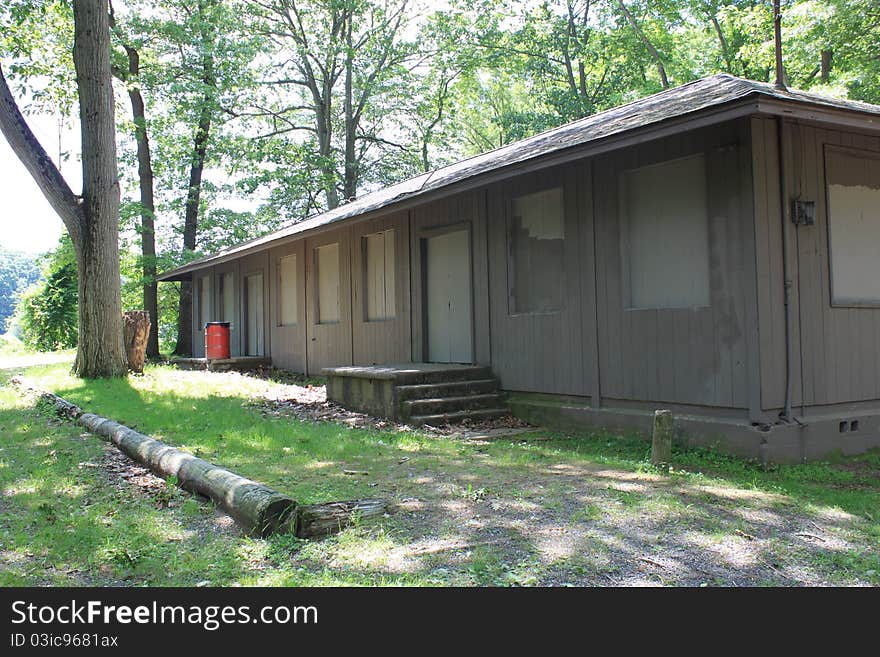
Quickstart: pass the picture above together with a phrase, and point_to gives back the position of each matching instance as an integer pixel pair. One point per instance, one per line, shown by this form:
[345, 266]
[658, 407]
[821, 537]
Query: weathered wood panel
[688, 355]
[463, 209]
[255, 264]
[545, 351]
[288, 341]
[387, 340]
[840, 356]
[198, 328]
[328, 344]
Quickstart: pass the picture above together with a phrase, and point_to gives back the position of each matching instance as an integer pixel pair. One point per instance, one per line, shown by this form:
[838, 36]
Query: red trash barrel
[216, 340]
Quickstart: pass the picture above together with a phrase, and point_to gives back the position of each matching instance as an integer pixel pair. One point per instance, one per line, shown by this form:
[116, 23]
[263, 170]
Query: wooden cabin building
[713, 249]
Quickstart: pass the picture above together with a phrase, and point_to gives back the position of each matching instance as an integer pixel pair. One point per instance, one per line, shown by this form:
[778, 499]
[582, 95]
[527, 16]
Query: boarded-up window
[204, 297]
[536, 248]
[854, 227]
[227, 297]
[665, 234]
[287, 291]
[327, 280]
[379, 275]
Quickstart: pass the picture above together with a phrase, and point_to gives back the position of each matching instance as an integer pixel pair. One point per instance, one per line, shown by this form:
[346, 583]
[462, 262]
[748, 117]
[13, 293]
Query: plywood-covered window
[665, 234]
[536, 236]
[327, 282]
[854, 227]
[378, 255]
[227, 297]
[204, 301]
[288, 284]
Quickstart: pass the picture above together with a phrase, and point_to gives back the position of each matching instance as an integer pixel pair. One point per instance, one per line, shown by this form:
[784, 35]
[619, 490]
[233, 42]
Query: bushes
[46, 312]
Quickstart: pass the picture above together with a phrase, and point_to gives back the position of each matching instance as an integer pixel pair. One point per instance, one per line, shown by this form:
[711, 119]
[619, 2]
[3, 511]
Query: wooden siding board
[541, 352]
[328, 345]
[288, 342]
[696, 356]
[385, 341]
[839, 343]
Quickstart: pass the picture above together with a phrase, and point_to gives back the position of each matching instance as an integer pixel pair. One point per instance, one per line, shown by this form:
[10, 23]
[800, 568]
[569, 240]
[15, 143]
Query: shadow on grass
[585, 509]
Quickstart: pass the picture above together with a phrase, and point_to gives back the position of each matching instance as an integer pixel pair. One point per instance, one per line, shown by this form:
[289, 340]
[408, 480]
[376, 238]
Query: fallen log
[257, 508]
[61, 406]
[315, 520]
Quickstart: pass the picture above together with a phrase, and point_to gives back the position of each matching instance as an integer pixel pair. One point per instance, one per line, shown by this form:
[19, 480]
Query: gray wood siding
[469, 209]
[288, 342]
[551, 352]
[257, 263]
[840, 356]
[198, 329]
[328, 345]
[383, 341]
[687, 356]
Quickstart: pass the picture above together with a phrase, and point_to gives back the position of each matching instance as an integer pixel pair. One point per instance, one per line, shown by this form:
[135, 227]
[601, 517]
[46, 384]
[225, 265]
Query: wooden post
[661, 440]
[136, 331]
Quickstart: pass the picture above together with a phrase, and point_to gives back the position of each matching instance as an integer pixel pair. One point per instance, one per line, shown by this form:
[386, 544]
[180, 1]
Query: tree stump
[661, 439]
[136, 332]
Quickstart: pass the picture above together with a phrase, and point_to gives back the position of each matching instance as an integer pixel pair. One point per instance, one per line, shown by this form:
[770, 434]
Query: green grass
[63, 522]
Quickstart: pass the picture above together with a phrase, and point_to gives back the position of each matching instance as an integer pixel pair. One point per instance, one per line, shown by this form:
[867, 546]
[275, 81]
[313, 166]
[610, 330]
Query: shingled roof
[693, 98]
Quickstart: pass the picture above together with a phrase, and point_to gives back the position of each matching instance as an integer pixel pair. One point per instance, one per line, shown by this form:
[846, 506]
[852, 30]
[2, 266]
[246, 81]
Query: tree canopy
[263, 112]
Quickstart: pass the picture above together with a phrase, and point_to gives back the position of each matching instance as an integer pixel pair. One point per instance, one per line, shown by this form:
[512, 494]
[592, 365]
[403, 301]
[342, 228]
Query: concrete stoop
[418, 393]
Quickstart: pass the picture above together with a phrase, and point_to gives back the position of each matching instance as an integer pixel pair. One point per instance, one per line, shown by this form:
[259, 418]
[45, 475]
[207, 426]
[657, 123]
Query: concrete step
[454, 389]
[442, 375]
[440, 419]
[442, 405]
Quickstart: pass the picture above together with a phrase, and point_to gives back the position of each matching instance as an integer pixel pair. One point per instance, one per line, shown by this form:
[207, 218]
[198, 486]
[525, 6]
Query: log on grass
[314, 520]
[258, 509]
[136, 332]
[61, 406]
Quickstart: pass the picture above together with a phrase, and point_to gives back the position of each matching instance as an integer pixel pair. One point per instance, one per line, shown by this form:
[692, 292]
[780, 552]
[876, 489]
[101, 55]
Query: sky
[27, 221]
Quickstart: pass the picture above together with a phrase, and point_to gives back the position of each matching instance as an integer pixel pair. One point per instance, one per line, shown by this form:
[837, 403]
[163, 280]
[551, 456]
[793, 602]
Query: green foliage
[18, 271]
[46, 313]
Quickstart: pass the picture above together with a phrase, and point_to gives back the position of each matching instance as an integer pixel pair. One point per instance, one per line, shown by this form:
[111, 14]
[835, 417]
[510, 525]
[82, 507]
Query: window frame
[365, 277]
[317, 284]
[625, 233]
[279, 322]
[853, 152]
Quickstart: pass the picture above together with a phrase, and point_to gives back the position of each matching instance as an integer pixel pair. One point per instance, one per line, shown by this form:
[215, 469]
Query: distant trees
[18, 271]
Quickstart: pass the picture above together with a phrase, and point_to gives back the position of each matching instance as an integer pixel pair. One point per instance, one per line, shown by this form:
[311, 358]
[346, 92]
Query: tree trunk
[191, 212]
[136, 332]
[148, 207]
[99, 348]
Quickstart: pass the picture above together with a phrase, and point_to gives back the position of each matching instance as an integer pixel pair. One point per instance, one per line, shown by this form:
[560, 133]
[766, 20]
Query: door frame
[246, 307]
[424, 235]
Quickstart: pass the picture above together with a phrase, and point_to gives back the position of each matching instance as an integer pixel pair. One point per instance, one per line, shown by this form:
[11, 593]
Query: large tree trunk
[99, 350]
[92, 220]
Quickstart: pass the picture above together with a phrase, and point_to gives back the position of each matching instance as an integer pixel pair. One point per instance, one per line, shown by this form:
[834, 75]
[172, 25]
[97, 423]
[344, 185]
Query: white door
[254, 314]
[448, 271]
